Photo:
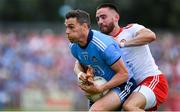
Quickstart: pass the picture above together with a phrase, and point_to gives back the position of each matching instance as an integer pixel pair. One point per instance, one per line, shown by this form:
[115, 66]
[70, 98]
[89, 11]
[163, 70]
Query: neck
[116, 31]
[84, 40]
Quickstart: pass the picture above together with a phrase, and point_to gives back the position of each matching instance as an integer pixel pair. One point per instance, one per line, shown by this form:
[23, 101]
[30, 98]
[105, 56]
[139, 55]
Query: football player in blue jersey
[103, 55]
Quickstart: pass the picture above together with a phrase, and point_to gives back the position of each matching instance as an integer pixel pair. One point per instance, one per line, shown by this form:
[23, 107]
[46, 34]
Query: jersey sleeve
[112, 54]
[137, 27]
[73, 50]
[134, 29]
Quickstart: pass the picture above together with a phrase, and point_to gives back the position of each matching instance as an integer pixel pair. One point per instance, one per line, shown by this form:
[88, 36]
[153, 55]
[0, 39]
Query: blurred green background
[153, 13]
[36, 66]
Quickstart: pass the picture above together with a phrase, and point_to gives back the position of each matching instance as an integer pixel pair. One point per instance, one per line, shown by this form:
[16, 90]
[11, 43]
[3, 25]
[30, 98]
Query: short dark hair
[82, 16]
[109, 5]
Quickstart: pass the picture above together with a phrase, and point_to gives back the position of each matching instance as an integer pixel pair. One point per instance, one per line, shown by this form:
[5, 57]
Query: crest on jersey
[123, 41]
[94, 60]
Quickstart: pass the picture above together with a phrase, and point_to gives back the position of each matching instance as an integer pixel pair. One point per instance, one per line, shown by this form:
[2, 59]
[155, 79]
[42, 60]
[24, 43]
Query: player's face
[105, 20]
[73, 30]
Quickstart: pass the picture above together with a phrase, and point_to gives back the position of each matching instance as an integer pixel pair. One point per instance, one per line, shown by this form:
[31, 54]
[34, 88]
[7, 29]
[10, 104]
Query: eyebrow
[69, 24]
[101, 15]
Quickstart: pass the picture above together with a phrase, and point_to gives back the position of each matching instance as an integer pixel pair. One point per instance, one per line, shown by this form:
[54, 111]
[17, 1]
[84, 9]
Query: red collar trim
[120, 30]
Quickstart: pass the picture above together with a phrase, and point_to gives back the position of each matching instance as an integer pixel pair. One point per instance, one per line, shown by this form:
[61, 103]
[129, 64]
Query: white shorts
[155, 90]
[149, 95]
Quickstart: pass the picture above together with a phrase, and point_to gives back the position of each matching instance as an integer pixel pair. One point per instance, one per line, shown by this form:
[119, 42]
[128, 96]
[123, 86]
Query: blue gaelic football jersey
[100, 53]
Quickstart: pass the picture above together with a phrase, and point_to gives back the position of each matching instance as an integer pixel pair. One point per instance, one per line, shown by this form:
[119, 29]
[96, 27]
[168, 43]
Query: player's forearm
[121, 75]
[117, 80]
[143, 37]
[78, 68]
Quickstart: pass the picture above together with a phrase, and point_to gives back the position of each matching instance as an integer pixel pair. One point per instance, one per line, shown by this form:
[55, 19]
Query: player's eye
[97, 18]
[71, 27]
[103, 17]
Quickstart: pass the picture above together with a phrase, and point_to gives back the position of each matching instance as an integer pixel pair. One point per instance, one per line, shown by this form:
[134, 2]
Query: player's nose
[67, 31]
[100, 21]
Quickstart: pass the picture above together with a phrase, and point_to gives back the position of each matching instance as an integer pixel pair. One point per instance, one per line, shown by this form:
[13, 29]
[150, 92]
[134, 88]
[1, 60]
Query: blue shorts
[124, 90]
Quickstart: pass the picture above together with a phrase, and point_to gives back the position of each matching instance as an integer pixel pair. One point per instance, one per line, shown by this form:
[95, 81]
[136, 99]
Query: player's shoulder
[128, 26]
[73, 49]
[72, 45]
[132, 26]
[101, 40]
[99, 36]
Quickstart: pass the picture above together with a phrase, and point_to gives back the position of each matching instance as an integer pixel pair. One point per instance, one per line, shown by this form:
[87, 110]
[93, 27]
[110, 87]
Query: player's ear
[85, 25]
[116, 17]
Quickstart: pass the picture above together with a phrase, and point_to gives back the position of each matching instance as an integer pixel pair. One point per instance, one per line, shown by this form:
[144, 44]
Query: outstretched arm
[144, 36]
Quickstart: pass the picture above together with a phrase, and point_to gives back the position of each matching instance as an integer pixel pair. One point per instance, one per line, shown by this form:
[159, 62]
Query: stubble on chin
[103, 30]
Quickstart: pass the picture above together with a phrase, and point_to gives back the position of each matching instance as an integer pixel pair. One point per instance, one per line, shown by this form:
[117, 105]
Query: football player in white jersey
[134, 39]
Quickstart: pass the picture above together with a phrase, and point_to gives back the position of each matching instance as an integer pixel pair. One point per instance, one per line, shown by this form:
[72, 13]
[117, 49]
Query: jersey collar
[120, 30]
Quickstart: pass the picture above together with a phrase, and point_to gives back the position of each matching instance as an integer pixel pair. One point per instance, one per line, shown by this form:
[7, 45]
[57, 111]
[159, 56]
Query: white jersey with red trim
[138, 58]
